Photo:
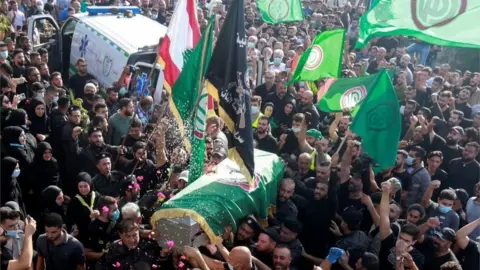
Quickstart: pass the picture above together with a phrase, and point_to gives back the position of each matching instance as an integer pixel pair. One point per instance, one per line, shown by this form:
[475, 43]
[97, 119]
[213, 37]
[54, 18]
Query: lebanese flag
[182, 35]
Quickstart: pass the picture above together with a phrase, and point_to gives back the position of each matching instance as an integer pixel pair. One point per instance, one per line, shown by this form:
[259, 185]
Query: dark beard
[451, 141]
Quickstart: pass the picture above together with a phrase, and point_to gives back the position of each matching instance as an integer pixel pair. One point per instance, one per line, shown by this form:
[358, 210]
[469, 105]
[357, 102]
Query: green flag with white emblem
[280, 11]
[323, 59]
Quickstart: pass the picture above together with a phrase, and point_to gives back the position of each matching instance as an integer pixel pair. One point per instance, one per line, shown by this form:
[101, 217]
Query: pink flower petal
[130, 187]
[160, 195]
[159, 172]
[105, 209]
[183, 257]
[139, 178]
[171, 195]
[154, 266]
[136, 186]
[170, 243]
[117, 265]
[120, 243]
[181, 264]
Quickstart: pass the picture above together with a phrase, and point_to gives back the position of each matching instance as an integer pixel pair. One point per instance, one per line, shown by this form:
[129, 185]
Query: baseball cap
[183, 176]
[445, 234]
[272, 233]
[292, 225]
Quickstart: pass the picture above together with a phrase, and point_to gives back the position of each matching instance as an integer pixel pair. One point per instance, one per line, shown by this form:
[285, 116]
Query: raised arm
[464, 232]
[384, 224]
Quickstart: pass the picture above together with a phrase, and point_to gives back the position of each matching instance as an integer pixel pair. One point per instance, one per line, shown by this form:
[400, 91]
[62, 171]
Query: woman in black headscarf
[16, 146]
[19, 118]
[283, 120]
[82, 205]
[52, 198]
[39, 121]
[11, 190]
[44, 168]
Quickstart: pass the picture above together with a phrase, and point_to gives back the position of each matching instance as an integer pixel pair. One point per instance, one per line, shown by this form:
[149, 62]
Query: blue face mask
[444, 209]
[254, 109]
[16, 173]
[154, 16]
[4, 54]
[11, 234]
[277, 60]
[116, 215]
[251, 44]
[410, 161]
[55, 99]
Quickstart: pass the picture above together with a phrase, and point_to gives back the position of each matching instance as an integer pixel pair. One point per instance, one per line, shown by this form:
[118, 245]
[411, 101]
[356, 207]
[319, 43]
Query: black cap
[102, 155]
[94, 129]
[445, 234]
[253, 223]
[293, 225]
[272, 233]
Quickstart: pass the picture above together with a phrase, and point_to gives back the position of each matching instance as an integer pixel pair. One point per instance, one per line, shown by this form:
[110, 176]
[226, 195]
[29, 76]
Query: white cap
[183, 176]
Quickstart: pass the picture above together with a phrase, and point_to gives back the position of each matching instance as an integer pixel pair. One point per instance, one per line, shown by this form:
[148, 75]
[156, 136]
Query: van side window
[43, 31]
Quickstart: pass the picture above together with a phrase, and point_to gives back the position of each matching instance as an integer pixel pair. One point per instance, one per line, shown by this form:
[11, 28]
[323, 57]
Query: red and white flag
[183, 35]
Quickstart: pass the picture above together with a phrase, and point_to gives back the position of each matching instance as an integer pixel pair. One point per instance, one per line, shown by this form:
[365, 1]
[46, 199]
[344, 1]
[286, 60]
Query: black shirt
[465, 108]
[463, 175]
[100, 234]
[433, 262]
[268, 143]
[291, 144]
[388, 258]
[77, 83]
[67, 255]
[262, 90]
[470, 256]
[449, 154]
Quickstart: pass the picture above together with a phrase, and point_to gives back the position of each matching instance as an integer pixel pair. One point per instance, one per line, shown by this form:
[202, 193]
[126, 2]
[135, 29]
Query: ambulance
[109, 38]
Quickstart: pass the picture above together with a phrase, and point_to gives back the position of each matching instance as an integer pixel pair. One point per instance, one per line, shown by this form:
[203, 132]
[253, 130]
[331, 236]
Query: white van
[105, 37]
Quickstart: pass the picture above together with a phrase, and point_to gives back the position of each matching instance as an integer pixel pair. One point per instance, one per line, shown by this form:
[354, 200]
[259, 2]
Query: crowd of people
[80, 181]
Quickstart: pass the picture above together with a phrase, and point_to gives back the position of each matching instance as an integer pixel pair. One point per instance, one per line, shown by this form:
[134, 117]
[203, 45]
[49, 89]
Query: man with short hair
[461, 103]
[57, 249]
[120, 122]
[264, 139]
[282, 258]
[464, 172]
[266, 243]
[420, 176]
[78, 80]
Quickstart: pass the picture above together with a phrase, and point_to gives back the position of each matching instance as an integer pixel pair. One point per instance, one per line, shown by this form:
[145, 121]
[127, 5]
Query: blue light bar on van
[112, 10]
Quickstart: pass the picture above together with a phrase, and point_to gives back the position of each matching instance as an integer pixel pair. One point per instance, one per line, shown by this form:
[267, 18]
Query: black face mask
[89, 96]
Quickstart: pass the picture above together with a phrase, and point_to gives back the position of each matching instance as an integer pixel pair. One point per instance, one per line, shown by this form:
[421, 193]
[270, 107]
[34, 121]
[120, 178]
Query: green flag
[280, 11]
[225, 196]
[444, 23]
[189, 96]
[378, 122]
[345, 94]
[322, 59]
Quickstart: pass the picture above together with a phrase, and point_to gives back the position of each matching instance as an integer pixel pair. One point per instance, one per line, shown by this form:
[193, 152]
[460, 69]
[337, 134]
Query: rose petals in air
[120, 243]
[183, 257]
[136, 186]
[105, 209]
[154, 266]
[170, 243]
[117, 265]
[130, 187]
[160, 196]
[181, 264]
[139, 178]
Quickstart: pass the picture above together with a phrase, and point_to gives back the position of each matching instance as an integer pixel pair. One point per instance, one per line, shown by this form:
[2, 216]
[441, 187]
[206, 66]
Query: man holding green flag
[323, 58]
[280, 11]
[189, 96]
[432, 21]
[378, 122]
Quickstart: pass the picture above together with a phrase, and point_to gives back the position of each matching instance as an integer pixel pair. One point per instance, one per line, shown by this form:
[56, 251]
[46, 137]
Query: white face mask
[40, 95]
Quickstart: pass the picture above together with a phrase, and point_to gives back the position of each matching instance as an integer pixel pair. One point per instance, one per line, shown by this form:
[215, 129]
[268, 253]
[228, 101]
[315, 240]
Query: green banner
[280, 11]
[222, 198]
[378, 122]
[323, 59]
[439, 22]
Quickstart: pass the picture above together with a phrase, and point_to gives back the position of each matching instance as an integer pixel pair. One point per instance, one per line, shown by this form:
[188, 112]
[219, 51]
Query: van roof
[130, 34]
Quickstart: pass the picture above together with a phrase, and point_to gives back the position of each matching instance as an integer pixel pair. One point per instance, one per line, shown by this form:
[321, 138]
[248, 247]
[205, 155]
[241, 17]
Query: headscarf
[16, 117]
[11, 135]
[49, 197]
[41, 148]
[39, 125]
[10, 190]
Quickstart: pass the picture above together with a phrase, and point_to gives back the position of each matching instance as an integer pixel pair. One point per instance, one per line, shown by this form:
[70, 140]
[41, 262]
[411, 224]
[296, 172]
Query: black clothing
[57, 122]
[291, 144]
[79, 214]
[145, 172]
[39, 125]
[431, 261]
[463, 175]
[315, 116]
[268, 143]
[10, 189]
[465, 108]
[45, 172]
[109, 185]
[262, 90]
[387, 255]
[441, 176]
[286, 210]
[77, 83]
[449, 154]
[86, 157]
[279, 103]
[470, 256]
[67, 255]
[100, 234]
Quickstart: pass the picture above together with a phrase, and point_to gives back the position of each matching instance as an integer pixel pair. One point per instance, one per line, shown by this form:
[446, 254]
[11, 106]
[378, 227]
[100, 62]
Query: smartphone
[22, 96]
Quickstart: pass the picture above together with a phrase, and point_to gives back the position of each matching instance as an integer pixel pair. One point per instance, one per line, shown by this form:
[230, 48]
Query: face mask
[122, 91]
[116, 215]
[154, 16]
[254, 109]
[444, 209]
[4, 54]
[277, 60]
[89, 96]
[40, 95]
[11, 234]
[55, 99]
[410, 161]
[16, 173]
[296, 129]
[251, 44]
[24, 126]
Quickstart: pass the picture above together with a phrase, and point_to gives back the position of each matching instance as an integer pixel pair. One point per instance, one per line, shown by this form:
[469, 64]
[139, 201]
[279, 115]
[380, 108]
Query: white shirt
[19, 18]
